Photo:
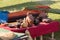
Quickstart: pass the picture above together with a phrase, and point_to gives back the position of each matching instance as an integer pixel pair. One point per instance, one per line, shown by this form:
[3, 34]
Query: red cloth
[14, 29]
[36, 31]
[44, 29]
[46, 7]
[59, 24]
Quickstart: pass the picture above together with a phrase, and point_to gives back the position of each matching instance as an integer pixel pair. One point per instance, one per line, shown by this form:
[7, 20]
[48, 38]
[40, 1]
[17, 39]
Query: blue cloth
[2, 21]
[3, 16]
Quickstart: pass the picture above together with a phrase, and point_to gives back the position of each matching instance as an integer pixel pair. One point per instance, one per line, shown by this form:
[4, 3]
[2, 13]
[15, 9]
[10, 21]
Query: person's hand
[44, 23]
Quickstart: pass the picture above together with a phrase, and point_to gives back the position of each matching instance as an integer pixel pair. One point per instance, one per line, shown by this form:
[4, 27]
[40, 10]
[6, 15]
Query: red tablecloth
[36, 31]
[44, 29]
[59, 24]
[14, 29]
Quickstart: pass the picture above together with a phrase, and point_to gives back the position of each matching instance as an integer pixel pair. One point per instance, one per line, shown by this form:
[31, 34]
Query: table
[44, 29]
[39, 30]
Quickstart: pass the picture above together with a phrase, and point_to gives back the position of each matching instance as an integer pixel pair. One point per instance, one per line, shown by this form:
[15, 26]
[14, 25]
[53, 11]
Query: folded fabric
[9, 35]
[6, 35]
